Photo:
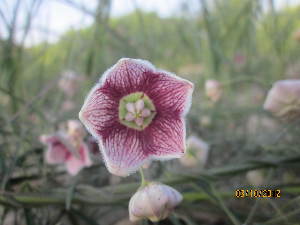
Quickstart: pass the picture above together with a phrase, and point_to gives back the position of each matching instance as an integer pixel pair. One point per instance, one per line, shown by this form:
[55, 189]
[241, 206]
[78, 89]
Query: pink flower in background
[283, 99]
[196, 154]
[155, 201]
[213, 90]
[136, 112]
[61, 150]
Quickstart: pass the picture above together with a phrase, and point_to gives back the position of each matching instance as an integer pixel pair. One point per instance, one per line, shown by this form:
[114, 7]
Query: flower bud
[283, 99]
[213, 90]
[196, 153]
[154, 201]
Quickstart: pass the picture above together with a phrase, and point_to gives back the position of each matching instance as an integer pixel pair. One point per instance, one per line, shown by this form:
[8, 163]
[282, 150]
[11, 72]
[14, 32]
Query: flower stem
[143, 180]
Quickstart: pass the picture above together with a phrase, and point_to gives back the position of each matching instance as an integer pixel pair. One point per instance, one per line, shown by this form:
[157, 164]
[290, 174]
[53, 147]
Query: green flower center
[136, 111]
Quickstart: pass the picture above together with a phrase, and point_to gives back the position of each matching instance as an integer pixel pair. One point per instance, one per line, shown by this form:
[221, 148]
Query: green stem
[86, 194]
[144, 182]
[228, 212]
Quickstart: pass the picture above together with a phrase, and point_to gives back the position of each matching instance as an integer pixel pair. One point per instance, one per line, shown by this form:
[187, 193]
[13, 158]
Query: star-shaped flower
[61, 151]
[136, 112]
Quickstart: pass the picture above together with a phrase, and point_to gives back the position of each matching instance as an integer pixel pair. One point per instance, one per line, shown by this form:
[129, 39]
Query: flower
[61, 150]
[197, 152]
[69, 83]
[154, 201]
[136, 112]
[213, 90]
[283, 99]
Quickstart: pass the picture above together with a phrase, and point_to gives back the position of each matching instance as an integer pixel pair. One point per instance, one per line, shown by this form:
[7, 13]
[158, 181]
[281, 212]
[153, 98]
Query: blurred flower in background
[213, 90]
[196, 152]
[61, 150]
[75, 130]
[283, 99]
[68, 147]
[154, 201]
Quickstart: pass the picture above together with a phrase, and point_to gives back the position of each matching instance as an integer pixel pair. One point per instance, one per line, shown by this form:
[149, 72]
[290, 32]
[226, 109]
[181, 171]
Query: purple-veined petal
[123, 152]
[165, 138]
[99, 112]
[170, 94]
[127, 76]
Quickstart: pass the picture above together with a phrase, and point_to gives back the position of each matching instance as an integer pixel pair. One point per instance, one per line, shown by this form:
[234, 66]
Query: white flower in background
[196, 153]
[283, 99]
[213, 90]
[255, 177]
[154, 201]
[69, 83]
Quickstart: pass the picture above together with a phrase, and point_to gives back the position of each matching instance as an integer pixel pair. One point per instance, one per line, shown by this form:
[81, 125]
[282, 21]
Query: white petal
[129, 117]
[139, 121]
[146, 113]
[139, 105]
[130, 107]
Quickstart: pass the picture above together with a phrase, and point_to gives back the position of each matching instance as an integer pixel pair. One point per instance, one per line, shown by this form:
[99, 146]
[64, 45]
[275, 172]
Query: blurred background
[53, 51]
